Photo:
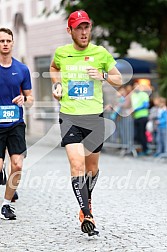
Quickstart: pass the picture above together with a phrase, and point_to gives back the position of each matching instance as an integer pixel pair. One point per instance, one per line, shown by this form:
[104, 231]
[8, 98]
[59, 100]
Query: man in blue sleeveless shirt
[15, 91]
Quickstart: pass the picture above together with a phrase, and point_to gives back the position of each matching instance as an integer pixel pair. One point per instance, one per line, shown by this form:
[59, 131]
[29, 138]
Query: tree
[121, 22]
[162, 70]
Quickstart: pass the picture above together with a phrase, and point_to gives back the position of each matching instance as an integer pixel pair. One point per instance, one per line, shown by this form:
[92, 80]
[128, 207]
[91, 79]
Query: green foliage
[126, 21]
[162, 70]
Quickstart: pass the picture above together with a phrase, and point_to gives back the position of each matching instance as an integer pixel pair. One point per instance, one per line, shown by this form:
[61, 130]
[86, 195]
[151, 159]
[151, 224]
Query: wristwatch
[105, 75]
[54, 86]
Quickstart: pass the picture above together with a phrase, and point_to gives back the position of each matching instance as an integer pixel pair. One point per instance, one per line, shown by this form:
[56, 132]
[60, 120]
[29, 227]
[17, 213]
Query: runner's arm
[114, 77]
[25, 98]
[56, 80]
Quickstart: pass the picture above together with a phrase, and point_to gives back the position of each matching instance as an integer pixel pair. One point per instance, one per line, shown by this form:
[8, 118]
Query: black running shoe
[15, 197]
[94, 232]
[3, 176]
[88, 224]
[7, 213]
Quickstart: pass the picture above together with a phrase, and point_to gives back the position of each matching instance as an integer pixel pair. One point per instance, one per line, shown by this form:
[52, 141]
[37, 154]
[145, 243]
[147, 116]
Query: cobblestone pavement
[129, 206]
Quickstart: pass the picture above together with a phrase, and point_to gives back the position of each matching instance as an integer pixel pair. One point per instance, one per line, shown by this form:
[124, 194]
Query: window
[43, 84]
[45, 108]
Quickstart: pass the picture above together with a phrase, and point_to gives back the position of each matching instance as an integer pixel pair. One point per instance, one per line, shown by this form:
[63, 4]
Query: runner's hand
[57, 93]
[94, 73]
[19, 100]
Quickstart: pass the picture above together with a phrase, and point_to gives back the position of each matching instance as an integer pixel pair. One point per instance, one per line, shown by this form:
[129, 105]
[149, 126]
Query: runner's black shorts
[13, 138]
[86, 129]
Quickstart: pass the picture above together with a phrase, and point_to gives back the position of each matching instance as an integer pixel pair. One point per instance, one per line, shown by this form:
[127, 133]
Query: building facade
[36, 36]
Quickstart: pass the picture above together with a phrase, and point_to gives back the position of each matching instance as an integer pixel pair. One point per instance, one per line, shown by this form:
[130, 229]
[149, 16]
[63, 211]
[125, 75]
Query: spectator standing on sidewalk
[153, 116]
[14, 79]
[77, 72]
[161, 137]
[140, 106]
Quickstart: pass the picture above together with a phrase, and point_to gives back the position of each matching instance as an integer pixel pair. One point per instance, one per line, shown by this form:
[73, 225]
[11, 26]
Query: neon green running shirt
[81, 94]
[137, 99]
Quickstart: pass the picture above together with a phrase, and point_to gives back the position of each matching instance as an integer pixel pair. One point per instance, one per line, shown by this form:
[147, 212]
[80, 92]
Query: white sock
[6, 202]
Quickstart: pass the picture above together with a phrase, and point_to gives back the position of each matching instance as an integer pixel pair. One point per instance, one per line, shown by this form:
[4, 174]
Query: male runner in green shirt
[77, 72]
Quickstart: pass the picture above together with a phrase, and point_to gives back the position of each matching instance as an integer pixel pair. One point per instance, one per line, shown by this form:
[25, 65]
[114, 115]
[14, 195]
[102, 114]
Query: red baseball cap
[78, 17]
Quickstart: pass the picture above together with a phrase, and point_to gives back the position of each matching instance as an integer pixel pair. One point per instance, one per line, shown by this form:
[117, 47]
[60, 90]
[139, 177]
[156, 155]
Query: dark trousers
[140, 132]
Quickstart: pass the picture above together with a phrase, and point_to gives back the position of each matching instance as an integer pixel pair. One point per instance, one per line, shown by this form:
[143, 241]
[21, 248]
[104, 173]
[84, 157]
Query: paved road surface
[129, 206]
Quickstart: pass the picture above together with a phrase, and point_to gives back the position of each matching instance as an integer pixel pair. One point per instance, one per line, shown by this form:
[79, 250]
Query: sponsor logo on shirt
[87, 58]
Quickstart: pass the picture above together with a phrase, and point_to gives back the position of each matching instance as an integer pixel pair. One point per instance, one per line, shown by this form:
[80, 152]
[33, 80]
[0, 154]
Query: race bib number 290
[9, 113]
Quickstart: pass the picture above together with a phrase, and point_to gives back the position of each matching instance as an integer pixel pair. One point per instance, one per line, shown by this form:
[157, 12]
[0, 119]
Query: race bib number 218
[80, 89]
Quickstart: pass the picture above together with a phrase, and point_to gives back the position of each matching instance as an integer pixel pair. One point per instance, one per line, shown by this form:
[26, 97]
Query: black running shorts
[13, 138]
[86, 129]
